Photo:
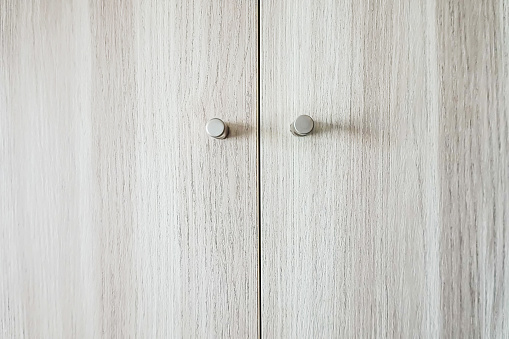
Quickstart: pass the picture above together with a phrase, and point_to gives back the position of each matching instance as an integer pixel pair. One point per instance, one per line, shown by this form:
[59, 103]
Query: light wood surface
[119, 216]
[391, 219]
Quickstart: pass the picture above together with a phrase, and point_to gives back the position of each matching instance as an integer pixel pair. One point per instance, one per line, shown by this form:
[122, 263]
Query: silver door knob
[216, 128]
[302, 126]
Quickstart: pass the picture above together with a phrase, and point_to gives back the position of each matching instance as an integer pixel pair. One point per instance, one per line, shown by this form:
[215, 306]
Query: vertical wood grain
[391, 219]
[474, 168]
[119, 216]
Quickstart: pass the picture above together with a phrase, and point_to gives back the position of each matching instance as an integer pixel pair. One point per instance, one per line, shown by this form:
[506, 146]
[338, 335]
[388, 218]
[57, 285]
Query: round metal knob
[216, 128]
[302, 126]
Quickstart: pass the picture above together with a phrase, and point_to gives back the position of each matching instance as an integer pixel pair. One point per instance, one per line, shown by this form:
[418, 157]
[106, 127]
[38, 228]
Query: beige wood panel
[391, 219]
[119, 216]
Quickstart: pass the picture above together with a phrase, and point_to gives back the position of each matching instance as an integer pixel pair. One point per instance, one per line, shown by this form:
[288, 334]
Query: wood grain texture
[391, 219]
[119, 216]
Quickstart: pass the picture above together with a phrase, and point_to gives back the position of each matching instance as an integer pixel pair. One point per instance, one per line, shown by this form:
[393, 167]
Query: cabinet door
[392, 218]
[119, 216]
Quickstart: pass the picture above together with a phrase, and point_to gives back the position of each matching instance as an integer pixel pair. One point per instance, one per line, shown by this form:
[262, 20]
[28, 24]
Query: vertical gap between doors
[259, 90]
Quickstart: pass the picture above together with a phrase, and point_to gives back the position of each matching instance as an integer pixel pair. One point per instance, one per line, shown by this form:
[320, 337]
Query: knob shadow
[238, 130]
[353, 129]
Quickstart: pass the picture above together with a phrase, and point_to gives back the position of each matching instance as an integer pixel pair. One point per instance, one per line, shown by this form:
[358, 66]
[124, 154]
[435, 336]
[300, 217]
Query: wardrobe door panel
[390, 219]
[119, 216]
